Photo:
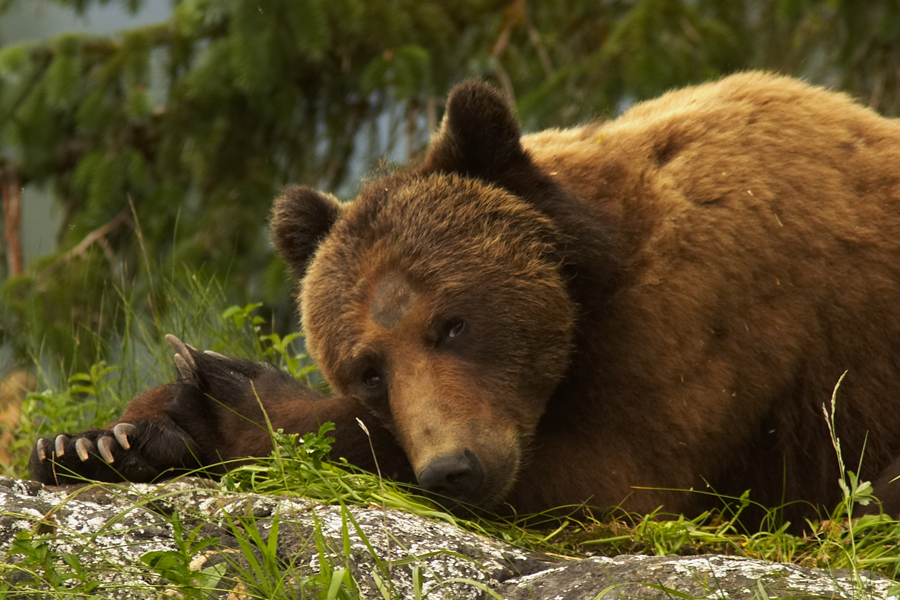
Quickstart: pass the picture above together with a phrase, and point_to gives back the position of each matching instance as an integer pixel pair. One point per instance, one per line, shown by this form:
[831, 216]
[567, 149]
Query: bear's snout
[458, 476]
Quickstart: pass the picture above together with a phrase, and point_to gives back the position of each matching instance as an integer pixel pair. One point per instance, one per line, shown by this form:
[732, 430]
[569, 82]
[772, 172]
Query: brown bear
[611, 315]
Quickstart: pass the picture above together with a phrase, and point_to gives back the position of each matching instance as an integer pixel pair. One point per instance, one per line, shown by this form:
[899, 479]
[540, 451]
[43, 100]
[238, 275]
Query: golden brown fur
[751, 233]
[761, 254]
[609, 315]
[763, 221]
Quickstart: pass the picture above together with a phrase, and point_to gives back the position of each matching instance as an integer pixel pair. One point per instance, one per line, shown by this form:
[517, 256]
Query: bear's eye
[453, 329]
[371, 378]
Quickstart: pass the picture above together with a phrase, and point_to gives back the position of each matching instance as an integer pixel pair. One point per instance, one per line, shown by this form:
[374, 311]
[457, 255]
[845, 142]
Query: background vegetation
[165, 144]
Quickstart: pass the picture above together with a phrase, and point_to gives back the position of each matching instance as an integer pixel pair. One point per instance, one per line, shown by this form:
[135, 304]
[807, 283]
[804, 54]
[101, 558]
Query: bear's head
[438, 298]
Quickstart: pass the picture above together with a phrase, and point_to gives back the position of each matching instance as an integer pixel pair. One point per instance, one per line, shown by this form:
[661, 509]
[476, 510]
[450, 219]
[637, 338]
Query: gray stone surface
[110, 528]
[670, 577]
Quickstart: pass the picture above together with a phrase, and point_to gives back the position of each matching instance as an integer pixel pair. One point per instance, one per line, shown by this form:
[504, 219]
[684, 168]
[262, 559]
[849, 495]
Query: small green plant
[295, 463]
[260, 569]
[277, 349]
[94, 382]
[30, 564]
[176, 566]
[853, 491]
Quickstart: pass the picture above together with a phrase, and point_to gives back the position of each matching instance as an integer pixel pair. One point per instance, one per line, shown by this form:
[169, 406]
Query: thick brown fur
[617, 313]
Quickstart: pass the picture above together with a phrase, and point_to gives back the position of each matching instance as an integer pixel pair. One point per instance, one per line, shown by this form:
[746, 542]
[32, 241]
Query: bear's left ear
[301, 218]
[479, 136]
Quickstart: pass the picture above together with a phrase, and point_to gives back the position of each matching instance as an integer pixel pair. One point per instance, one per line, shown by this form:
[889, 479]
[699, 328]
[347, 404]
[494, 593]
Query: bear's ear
[301, 218]
[479, 136]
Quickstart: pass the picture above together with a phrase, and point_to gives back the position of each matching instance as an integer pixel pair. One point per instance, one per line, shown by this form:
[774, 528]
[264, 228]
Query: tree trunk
[12, 217]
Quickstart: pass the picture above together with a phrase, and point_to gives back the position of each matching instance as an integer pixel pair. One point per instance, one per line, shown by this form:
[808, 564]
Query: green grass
[200, 315]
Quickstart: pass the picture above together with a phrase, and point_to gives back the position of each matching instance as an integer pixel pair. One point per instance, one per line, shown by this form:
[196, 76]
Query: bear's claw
[104, 446]
[184, 362]
[122, 431]
[59, 445]
[184, 368]
[41, 449]
[83, 447]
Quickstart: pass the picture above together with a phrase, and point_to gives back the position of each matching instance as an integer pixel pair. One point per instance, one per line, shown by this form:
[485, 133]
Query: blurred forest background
[164, 144]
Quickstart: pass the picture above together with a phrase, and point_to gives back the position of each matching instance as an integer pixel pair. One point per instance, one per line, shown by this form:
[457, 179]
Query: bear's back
[756, 116]
[759, 222]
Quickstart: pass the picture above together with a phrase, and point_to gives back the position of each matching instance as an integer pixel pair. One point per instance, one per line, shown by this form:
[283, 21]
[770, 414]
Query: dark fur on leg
[211, 415]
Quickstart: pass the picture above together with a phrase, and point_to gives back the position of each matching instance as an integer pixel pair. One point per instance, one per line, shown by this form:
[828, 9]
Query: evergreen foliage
[166, 143]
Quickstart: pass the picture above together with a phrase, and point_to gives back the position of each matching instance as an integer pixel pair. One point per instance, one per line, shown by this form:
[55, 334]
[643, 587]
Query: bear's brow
[392, 300]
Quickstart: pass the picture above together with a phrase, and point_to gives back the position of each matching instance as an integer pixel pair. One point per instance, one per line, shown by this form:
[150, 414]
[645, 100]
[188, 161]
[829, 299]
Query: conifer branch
[84, 244]
[27, 89]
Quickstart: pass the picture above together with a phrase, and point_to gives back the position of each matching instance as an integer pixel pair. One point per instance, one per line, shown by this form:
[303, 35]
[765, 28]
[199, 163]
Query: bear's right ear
[479, 136]
[301, 218]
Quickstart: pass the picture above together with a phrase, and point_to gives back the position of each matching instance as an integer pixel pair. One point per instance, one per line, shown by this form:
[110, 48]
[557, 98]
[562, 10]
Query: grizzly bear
[641, 313]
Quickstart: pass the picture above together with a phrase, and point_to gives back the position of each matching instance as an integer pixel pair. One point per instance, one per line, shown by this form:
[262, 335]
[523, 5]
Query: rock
[103, 540]
[710, 576]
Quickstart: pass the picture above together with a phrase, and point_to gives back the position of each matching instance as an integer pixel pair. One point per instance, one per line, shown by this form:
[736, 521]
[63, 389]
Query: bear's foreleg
[215, 414]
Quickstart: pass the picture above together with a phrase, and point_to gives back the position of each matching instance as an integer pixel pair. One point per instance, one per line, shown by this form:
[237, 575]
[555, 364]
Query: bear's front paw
[84, 445]
[96, 454]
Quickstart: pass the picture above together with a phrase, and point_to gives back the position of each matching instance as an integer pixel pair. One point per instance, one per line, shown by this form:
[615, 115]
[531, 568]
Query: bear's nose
[458, 476]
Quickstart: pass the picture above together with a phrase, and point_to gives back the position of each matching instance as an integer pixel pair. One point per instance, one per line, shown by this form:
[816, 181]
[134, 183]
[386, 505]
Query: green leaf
[309, 24]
